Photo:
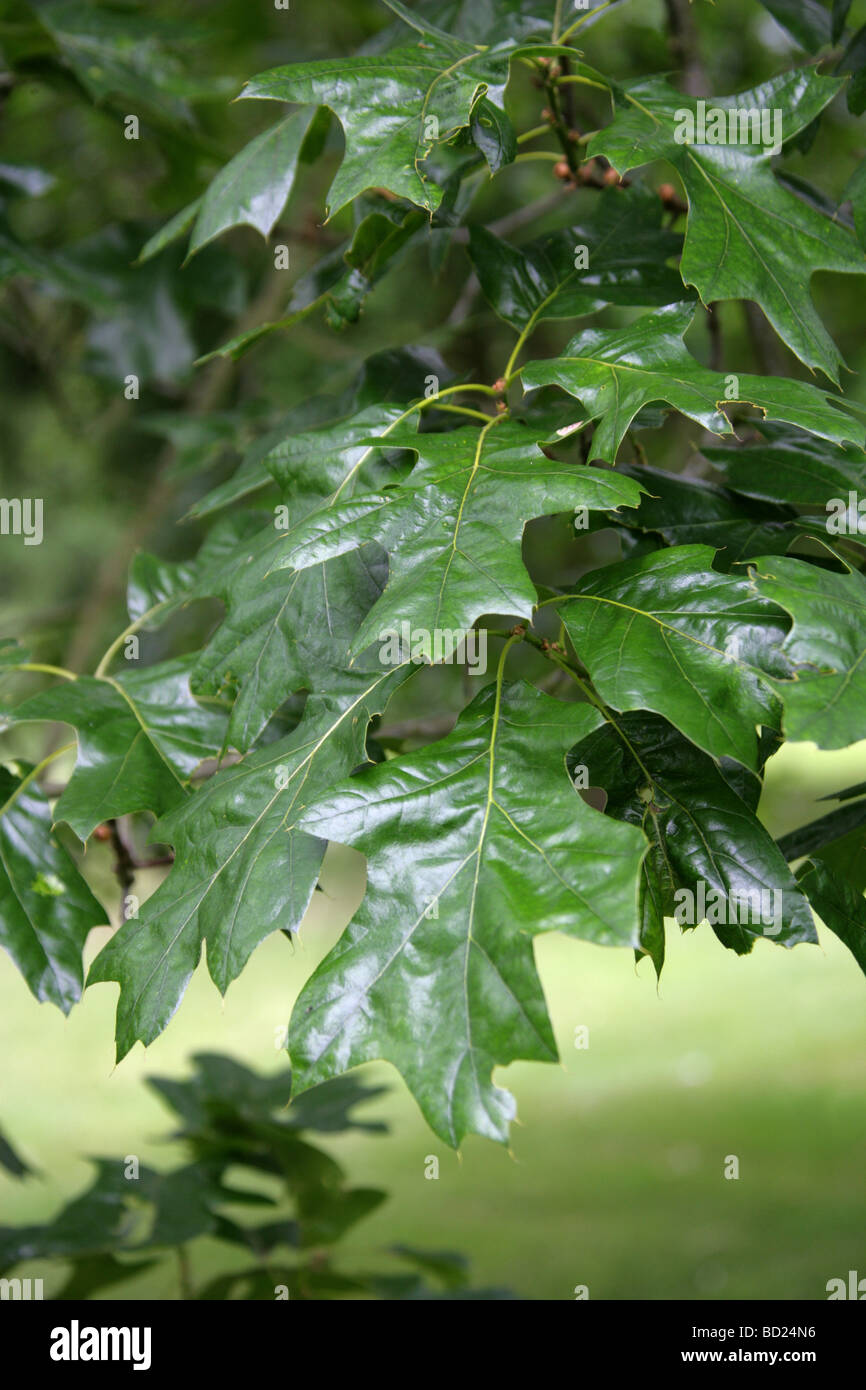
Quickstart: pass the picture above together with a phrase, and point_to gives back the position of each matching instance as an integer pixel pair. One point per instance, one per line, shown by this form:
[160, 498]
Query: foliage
[656, 631]
[245, 1150]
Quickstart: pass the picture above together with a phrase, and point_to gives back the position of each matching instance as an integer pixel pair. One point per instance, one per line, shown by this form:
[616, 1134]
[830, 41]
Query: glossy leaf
[625, 248]
[393, 108]
[824, 696]
[254, 186]
[790, 467]
[467, 861]
[453, 528]
[46, 908]
[808, 21]
[615, 372]
[688, 511]
[701, 833]
[746, 238]
[241, 869]
[140, 737]
[840, 905]
[633, 624]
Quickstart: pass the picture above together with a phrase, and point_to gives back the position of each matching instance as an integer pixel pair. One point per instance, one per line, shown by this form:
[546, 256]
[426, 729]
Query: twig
[715, 331]
[684, 45]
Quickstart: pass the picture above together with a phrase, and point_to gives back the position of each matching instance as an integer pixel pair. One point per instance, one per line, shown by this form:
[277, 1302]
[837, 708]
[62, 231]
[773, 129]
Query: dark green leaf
[824, 697]
[840, 905]
[46, 908]
[790, 467]
[666, 632]
[448, 932]
[453, 529]
[710, 856]
[746, 238]
[140, 737]
[241, 870]
[626, 249]
[808, 21]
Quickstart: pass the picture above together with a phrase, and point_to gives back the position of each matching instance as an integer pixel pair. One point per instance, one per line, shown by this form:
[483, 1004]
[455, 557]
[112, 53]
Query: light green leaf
[613, 373]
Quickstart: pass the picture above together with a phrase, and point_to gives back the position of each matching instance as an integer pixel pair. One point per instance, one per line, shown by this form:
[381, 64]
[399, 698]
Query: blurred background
[615, 1178]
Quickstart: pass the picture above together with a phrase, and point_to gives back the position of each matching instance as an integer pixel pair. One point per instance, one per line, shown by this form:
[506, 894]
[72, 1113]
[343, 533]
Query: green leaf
[284, 632]
[46, 908]
[477, 21]
[453, 528]
[615, 372]
[790, 467]
[101, 1219]
[140, 737]
[667, 633]
[92, 1273]
[853, 61]
[701, 833]
[746, 238]
[158, 588]
[241, 868]
[493, 134]
[122, 55]
[824, 831]
[467, 861]
[175, 228]
[253, 187]
[340, 283]
[11, 1161]
[688, 511]
[824, 696]
[626, 250]
[855, 192]
[840, 15]
[805, 20]
[394, 108]
[840, 905]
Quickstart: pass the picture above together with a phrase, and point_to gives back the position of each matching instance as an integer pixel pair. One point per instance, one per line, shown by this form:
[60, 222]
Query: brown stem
[124, 865]
[684, 45]
[715, 331]
[764, 341]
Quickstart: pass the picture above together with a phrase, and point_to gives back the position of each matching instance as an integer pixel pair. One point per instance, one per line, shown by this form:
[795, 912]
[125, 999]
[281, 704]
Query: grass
[616, 1175]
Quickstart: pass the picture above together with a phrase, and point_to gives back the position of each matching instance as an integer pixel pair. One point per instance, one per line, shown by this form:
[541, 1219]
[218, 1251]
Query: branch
[684, 46]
